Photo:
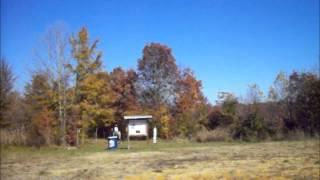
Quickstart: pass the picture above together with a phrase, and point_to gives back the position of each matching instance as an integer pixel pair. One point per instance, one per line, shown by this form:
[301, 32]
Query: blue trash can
[112, 142]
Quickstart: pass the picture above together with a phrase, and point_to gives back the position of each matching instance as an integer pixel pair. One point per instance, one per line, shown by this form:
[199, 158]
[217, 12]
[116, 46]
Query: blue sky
[228, 43]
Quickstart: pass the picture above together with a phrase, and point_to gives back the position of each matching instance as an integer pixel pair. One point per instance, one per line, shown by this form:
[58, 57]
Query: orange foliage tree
[88, 64]
[39, 99]
[191, 105]
[126, 98]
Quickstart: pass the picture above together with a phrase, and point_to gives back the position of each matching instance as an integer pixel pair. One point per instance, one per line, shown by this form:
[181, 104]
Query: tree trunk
[63, 126]
[60, 112]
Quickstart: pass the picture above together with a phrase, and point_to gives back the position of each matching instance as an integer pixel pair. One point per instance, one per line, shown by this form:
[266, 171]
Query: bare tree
[254, 94]
[51, 56]
[281, 84]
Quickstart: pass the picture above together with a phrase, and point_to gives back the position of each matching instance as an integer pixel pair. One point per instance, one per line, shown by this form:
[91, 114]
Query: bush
[296, 135]
[216, 118]
[12, 137]
[218, 134]
[250, 128]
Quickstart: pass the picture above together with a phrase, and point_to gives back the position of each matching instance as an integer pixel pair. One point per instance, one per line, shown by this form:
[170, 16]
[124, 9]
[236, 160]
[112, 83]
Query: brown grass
[12, 137]
[219, 134]
[268, 160]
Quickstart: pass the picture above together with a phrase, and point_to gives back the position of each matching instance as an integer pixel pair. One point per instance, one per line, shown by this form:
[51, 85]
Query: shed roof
[138, 117]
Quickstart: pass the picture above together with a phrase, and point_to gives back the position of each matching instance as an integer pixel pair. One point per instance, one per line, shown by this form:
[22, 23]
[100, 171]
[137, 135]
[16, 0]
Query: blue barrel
[112, 142]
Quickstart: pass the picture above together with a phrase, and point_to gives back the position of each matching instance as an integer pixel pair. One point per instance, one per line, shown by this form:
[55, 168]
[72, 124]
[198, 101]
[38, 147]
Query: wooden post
[128, 137]
[78, 131]
[96, 134]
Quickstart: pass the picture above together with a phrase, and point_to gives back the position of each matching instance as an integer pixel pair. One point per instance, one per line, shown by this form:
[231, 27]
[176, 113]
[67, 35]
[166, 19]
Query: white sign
[138, 128]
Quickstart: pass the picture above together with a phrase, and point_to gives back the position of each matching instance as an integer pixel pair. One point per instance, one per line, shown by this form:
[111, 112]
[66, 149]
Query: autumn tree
[13, 118]
[278, 96]
[6, 84]
[72, 121]
[17, 115]
[303, 103]
[158, 72]
[51, 56]
[123, 84]
[88, 64]
[225, 113]
[251, 124]
[276, 111]
[39, 98]
[279, 90]
[228, 103]
[99, 100]
[254, 94]
[191, 104]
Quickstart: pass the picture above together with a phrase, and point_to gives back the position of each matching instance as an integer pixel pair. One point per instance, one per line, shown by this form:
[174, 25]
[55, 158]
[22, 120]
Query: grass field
[166, 160]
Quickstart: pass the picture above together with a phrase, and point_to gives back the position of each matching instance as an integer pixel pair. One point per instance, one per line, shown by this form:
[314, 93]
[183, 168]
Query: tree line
[68, 101]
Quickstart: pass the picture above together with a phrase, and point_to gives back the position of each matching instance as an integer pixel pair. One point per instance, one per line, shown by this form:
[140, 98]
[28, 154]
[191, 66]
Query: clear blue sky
[228, 43]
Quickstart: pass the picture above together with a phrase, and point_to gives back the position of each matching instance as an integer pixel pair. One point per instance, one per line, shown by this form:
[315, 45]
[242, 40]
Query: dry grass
[166, 160]
[219, 134]
[12, 137]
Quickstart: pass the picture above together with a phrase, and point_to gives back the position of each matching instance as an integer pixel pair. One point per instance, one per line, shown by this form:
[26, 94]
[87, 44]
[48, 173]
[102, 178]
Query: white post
[154, 134]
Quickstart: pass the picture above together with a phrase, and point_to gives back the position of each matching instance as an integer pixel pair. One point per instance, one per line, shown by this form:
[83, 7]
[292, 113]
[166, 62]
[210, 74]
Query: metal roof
[137, 117]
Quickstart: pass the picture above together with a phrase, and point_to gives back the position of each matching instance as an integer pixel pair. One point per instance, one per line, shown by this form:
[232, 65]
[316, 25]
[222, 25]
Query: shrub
[13, 137]
[216, 118]
[218, 134]
[296, 135]
[250, 128]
